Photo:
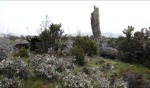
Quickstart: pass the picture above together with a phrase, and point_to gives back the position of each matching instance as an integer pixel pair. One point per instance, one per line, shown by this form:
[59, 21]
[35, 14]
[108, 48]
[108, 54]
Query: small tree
[135, 48]
[53, 37]
[125, 44]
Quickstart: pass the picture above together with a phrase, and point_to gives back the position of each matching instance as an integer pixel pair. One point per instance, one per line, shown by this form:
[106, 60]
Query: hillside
[98, 72]
[95, 67]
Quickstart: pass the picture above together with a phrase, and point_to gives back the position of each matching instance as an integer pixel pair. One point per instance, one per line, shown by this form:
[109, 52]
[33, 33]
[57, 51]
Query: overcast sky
[18, 17]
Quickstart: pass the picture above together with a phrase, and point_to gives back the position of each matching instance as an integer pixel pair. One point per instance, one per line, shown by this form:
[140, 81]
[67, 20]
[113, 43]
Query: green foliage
[111, 42]
[135, 80]
[86, 43]
[35, 44]
[79, 55]
[53, 37]
[135, 47]
[22, 52]
[102, 61]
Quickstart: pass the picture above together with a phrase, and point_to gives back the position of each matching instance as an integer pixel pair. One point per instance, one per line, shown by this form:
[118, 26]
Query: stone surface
[6, 44]
[108, 52]
[21, 43]
[2, 55]
[95, 24]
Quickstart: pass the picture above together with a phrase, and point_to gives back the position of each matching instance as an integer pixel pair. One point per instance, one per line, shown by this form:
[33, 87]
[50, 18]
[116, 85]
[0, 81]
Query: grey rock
[6, 44]
[22, 43]
[2, 55]
[108, 52]
[95, 24]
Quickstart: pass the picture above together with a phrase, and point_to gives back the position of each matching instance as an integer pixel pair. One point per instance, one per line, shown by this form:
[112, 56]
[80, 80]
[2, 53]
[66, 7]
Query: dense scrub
[46, 71]
[21, 52]
[86, 43]
[78, 53]
[135, 48]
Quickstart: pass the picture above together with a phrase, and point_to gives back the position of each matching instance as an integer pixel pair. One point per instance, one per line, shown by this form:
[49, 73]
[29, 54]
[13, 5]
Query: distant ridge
[106, 34]
[4, 34]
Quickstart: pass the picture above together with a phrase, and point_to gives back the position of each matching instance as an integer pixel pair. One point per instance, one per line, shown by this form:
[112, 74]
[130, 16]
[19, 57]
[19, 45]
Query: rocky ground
[6, 44]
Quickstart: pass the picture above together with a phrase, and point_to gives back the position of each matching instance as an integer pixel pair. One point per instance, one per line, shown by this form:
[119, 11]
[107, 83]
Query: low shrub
[135, 80]
[50, 67]
[22, 53]
[75, 81]
[120, 83]
[79, 55]
[100, 82]
[87, 44]
[14, 68]
[11, 83]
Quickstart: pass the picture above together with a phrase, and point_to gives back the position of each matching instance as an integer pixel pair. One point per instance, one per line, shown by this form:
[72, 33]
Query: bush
[87, 70]
[120, 83]
[50, 67]
[100, 82]
[11, 83]
[134, 48]
[79, 55]
[14, 68]
[87, 44]
[135, 80]
[22, 53]
[53, 37]
[75, 81]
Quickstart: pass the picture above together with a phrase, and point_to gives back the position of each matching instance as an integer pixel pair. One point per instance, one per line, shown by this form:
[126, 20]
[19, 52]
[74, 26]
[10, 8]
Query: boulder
[21, 43]
[6, 44]
[108, 52]
[2, 55]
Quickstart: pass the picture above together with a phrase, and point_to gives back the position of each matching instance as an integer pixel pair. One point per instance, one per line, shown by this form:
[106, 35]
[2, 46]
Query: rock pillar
[95, 24]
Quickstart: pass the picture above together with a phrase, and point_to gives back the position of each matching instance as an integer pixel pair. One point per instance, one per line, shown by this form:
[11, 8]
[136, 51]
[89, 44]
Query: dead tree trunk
[95, 24]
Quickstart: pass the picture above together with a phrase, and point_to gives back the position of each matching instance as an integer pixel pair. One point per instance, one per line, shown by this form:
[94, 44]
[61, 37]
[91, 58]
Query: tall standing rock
[95, 24]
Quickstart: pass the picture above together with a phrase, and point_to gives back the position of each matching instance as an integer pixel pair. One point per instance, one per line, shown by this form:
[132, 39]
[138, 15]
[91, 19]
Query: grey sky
[16, 16]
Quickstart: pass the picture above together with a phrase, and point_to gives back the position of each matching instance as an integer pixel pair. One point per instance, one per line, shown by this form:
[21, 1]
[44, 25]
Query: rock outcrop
[108, 52]
[95, 24]
[2, 55]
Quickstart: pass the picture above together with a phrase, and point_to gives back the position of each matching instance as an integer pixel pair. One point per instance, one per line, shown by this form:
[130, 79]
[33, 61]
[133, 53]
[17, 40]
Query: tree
[53, 37]
[135, 47]
[124, 44]
[141, 46]
[128, 34]
[45, 24]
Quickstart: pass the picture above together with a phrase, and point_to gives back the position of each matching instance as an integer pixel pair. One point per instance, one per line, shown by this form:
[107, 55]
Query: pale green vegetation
[92, 62]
